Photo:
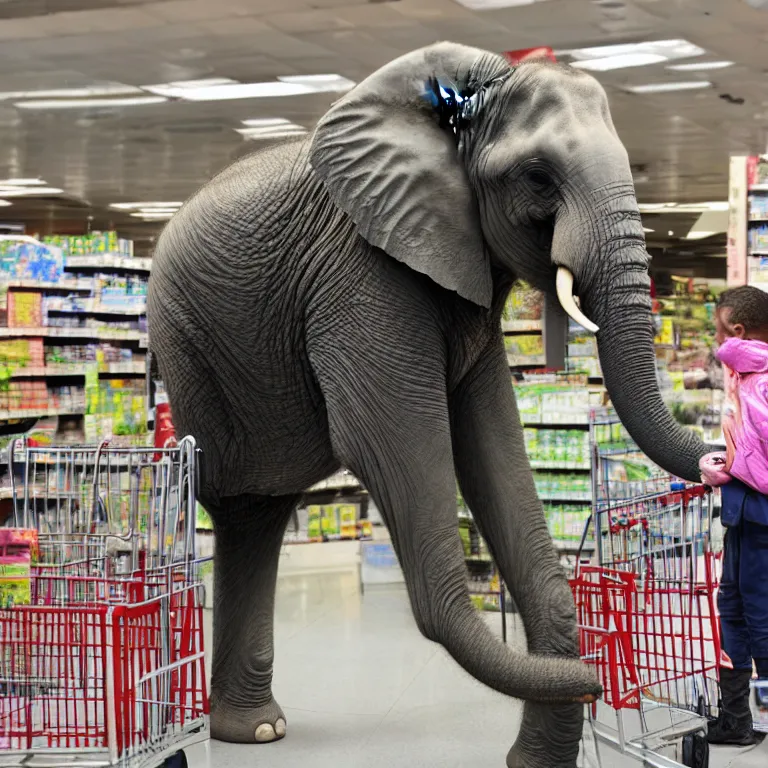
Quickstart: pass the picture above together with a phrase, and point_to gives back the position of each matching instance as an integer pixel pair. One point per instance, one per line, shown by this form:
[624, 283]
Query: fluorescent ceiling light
[270, 128]
[266, 122]
[116, 89]
[153, 215]
[197, 90]
[22, 183]
[700, 66]
[249, 133]
[690, 85]
[605, 63]
[134, 101]
[699, 235]
[144, 206]
[487, 5]
[719, 205]
[667, 49]
[319, 83]
[176, 89]
[29, 191]
[645, 229]
[5, 203]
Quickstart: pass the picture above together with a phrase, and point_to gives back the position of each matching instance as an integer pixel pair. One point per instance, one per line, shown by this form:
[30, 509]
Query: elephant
[335, 301]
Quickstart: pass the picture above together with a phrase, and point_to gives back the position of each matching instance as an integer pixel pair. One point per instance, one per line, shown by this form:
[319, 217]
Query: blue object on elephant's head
[455, 109]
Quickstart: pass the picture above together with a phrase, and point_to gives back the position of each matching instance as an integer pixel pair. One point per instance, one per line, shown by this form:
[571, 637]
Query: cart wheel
[179, 760]
[696, 750]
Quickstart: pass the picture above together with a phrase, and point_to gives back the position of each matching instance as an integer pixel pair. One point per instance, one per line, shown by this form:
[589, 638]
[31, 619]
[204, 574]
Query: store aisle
[362, 689]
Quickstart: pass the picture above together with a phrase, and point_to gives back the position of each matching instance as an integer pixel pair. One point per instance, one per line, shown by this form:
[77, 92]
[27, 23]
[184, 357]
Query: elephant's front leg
[249, 531]
[496, 481]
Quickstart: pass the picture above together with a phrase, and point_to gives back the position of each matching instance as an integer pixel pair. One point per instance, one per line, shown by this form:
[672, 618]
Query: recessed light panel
[488, 5]
[700, 66]
[689, 85]
[605, 63]
[132, 101]
[196, 90]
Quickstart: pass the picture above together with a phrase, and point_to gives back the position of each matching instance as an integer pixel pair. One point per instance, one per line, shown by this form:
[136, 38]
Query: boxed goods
[25, 309]
[27, 261]
[525, 350]
[18, 553]
[523, 309]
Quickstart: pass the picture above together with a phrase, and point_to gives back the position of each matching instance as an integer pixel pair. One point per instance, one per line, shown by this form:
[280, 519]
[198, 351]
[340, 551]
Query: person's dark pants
[743, 597]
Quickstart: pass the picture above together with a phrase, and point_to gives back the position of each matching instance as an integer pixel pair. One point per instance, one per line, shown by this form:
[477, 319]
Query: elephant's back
[226, 321]
[226, 232]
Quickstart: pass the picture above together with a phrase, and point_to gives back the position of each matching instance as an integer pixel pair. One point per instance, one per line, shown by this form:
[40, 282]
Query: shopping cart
[105, 664]
[648, 624]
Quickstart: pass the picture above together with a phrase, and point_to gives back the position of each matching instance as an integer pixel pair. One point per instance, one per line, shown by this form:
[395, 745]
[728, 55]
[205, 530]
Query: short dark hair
[748, 305]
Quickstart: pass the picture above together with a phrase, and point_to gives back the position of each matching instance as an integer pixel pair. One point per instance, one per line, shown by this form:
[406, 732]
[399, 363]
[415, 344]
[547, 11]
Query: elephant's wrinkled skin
[337, 302]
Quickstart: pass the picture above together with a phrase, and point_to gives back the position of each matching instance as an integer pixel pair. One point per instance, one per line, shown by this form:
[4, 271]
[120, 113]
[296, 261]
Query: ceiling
[678, 143]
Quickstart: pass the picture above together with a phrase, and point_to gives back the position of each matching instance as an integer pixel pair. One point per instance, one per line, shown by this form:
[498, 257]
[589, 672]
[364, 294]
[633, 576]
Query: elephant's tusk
[564, 284]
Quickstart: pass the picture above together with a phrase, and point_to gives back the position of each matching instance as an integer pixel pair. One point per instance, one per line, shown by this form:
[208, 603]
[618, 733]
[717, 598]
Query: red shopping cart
[104, 665]
[648, 623]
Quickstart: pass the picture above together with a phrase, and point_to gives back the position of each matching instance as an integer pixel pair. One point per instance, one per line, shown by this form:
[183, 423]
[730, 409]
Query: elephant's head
[464, 168]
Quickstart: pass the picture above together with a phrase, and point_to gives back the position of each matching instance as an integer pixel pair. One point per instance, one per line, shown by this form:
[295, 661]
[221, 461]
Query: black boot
[734, 724]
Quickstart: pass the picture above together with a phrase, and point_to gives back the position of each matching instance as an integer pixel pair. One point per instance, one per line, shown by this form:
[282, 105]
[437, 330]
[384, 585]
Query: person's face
[724, 329]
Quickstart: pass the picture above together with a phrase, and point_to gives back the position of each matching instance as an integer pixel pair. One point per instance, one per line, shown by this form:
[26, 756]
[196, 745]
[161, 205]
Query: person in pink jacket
[741, 321]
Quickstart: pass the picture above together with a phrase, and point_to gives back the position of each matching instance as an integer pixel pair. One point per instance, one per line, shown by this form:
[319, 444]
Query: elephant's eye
[539, 179]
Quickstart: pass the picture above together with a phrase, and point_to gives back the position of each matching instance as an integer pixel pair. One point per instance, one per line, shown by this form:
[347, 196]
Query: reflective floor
[362, 688]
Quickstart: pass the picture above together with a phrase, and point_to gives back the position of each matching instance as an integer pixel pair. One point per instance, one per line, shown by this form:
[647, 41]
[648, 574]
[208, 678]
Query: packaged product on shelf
[525, 350]
[347, 515]
[329, 521]
[25, 309]
[18, 553]
[523, 310]
[27, 261]
[314, 525]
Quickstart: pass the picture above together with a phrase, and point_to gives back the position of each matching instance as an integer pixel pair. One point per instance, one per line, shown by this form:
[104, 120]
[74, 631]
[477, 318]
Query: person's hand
[713, 471]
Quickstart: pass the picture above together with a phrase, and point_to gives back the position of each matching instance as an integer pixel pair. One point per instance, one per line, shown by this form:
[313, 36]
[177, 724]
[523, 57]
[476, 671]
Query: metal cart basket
[104, 666]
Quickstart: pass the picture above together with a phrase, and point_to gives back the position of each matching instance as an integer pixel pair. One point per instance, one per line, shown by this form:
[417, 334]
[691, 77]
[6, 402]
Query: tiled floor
[362, 688]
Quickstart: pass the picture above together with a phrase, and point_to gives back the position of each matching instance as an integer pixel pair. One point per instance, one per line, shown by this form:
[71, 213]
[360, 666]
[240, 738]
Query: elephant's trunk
[610, 263]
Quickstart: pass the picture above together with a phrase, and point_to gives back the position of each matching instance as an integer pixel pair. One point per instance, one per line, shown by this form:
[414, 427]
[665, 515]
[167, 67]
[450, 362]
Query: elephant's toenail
[280, 727]
[265, 732]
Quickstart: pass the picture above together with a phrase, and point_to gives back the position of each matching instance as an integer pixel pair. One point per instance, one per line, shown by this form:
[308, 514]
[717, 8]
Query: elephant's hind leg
[249, 531]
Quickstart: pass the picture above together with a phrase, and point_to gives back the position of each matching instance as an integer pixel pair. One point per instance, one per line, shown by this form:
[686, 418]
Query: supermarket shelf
[108, 261]
[757, 219]
[40, 413]
[759, 188]
[539, 361]
[758, 252]
[567, 497]
[560, 466]
[521, 326]
[75, 333]
[100, 309]
[556, 425]
[67, 286]
[45, 371]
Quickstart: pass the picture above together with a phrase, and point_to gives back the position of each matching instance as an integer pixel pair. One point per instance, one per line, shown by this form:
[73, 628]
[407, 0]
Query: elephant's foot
[247, 726]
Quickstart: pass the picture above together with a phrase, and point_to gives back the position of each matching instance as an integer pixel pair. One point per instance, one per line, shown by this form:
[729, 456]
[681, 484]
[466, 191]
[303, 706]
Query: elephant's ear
[388, 163]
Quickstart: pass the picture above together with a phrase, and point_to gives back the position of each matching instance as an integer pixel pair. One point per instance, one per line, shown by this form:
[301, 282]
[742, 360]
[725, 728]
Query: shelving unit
[73, 342]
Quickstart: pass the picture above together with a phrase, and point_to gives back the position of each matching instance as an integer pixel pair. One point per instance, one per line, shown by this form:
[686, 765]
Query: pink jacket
[745, 411]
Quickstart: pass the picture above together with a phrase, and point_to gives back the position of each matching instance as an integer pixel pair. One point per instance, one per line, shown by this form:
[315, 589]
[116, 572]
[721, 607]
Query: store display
[47, 306]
